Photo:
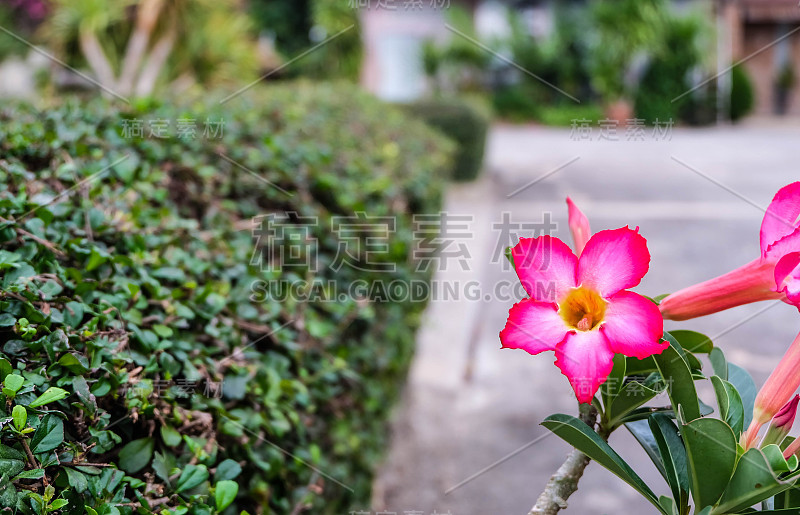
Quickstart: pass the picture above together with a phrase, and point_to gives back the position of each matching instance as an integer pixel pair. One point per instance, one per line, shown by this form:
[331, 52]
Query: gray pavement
[468, 404]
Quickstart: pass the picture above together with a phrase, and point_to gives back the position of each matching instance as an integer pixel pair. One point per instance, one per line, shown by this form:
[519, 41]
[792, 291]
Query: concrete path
[467, 439]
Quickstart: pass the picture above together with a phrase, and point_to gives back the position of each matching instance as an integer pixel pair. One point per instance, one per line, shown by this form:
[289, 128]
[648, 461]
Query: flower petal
[787, 244]
[613, 260]
[586, 359]
[780, 219]
[533, 327]
[787, 277]
[545, 266]
[633, 325]
[578, 226]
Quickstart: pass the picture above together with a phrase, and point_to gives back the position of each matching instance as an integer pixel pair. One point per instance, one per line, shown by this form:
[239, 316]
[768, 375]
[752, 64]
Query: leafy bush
[464, 122]
[516, 103]
[140, 362]
[667, 75]
[742, 99]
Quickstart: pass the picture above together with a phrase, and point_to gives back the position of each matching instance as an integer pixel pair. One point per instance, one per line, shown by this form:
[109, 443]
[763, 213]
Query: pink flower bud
[781, 423]
[578, 226]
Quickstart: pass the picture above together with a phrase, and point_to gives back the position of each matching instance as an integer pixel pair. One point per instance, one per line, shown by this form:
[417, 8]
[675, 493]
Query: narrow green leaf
[672, 453]
[744, 384]
[730, 404]
[711, 453]
[718, 363]
[680, 384]
[29, 474]
[632, 395]
[613, 384]
[641, 431]
[52, 394]
[576, 433]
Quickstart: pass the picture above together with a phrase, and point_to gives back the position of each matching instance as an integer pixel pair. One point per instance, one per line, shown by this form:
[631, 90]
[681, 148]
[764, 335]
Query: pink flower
[774, 275]
[579, 307]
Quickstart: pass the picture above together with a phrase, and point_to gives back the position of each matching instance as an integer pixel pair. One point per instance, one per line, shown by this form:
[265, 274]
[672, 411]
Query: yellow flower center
[582, 309]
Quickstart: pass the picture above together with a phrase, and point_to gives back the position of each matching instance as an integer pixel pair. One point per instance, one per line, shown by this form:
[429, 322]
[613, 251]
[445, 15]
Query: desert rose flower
[580, 307]
[774, 275]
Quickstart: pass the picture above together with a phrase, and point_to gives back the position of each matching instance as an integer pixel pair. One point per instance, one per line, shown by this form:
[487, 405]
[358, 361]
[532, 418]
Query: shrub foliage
[142, 368]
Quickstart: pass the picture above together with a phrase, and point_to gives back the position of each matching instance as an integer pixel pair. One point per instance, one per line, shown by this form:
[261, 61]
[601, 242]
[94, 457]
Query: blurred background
[678, 116]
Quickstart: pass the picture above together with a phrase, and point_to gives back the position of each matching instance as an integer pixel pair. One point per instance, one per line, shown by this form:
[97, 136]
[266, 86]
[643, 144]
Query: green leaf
[170, 436]
[752, 482]
[640, 367]
[76, 480]
[711, 453]
[668, 504]
[613, 383]
[12, 383]
[641, 431]
[730, 404]
[29, 474]
[680, 384]
[576, 433]
[49, 434]
[12, 462]
[136, 455]
[744, 384]
[692, 341]
[20, 417]
[192, 476]
[76, 364]
[718, 363]
[5, 368]
[672, 454]
[633, 395]
[227, 469]
[225, 493]
[52, 394]
[57, 504]
[7, 320]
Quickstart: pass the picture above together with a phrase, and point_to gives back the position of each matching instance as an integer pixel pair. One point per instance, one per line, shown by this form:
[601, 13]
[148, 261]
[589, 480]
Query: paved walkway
[467, 438]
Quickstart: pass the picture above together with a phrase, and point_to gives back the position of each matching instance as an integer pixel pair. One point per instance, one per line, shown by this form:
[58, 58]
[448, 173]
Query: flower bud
[781, 423]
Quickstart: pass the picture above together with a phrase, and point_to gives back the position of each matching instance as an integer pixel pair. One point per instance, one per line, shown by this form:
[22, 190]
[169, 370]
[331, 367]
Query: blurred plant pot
[620, 110]
[781, 100]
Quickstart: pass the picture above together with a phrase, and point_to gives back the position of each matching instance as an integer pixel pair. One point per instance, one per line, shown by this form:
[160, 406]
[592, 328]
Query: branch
[146, 18]
[96, 57]
[565, 481]
[155, 62]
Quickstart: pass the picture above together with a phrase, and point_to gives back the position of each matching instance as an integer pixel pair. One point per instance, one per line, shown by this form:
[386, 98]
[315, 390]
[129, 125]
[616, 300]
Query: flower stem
[564, 482]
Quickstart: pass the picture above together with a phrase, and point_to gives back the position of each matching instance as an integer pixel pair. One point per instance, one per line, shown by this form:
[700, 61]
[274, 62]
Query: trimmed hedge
[464, 123]
[165, 379]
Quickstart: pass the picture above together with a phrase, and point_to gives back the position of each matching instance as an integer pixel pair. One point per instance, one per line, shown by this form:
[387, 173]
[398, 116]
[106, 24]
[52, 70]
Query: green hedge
[124, 299]
[465, 123]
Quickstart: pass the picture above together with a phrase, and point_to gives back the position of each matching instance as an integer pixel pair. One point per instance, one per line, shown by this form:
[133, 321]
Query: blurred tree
[623, 30]
[341, 56]
[667, 75]
[131, 45]
[289, 21]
